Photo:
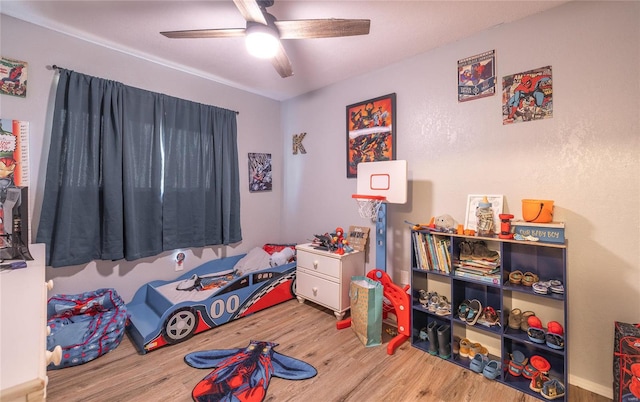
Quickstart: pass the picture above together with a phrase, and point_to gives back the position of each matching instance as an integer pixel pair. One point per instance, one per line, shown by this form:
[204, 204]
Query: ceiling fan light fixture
[261, 40]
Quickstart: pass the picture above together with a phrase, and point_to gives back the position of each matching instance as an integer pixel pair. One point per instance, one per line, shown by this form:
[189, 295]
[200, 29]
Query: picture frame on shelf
[497, 205]
[371, 133]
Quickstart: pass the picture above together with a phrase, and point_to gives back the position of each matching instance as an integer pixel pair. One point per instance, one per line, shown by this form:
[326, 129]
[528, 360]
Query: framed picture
[259, 172]
[477, 76]
[527, 96]
[497, 204]
[371, 134]
[13, 77]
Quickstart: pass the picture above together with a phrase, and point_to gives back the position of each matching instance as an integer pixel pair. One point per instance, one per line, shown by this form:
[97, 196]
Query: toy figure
[339, 240]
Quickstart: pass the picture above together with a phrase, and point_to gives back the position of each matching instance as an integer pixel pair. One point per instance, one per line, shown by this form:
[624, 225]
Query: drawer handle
[315, 264]
[315, 291]
[54, 356]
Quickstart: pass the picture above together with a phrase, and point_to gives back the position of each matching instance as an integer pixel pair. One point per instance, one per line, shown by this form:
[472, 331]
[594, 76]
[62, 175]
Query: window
[132, 173]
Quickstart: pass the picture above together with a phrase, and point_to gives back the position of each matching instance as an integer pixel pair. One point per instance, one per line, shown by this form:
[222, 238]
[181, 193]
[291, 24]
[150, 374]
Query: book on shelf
[432, 253]
[494, 279]
[478, 271]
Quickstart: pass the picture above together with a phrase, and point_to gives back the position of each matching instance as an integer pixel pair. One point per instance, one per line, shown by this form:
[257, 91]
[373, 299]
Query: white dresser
[324, 278]
[23, 331]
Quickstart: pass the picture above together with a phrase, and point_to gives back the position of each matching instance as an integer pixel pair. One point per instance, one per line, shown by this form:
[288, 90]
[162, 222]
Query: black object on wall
[14, 233]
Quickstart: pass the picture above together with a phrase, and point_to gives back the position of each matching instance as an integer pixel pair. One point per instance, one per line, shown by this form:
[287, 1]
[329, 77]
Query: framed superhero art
[477, 76]
[527, 96]
[260, 178]
[13, 77]
[371, 134]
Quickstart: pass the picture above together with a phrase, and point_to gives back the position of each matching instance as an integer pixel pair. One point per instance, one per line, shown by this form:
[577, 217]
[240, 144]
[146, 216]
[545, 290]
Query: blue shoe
[536, 335]
[492, 369]
[555, 341]
[478, 363]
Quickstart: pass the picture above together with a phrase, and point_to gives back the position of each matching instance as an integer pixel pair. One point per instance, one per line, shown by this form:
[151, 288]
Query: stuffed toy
[445, 223]
[281, 257]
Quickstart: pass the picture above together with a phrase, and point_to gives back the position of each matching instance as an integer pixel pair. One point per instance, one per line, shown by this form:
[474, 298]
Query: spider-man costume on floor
[529, 86]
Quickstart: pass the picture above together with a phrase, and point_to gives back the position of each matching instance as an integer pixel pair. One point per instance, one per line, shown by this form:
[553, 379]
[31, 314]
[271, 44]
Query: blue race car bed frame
[168, 312]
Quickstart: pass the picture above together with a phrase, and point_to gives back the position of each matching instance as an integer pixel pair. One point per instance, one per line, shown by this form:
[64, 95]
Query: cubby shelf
[547, 260]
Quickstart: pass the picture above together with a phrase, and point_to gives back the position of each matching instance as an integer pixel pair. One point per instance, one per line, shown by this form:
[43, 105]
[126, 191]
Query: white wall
[259, 130]
[586, 158]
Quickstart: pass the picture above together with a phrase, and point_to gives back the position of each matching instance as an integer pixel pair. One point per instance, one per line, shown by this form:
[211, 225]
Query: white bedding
[255, 260]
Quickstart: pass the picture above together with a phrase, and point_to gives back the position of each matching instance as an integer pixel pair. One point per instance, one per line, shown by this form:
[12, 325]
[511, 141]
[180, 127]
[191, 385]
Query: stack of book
[432, 252]
[478, 269]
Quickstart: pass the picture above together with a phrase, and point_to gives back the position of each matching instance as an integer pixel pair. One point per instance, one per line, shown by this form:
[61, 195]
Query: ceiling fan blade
[281, 63]
[324, 28]
[250, 10]
[205, 33]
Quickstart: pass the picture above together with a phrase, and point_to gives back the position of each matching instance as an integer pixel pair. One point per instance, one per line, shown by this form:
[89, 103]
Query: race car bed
[216, 292]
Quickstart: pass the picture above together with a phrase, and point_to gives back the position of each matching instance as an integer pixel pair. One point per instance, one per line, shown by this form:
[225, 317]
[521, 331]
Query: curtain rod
[56, 67]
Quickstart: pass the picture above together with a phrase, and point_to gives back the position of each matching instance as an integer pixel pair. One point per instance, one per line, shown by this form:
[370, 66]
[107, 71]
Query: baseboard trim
[591, 386]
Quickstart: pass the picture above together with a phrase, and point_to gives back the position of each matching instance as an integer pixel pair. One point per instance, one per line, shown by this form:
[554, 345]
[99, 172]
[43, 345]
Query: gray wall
[586, 158]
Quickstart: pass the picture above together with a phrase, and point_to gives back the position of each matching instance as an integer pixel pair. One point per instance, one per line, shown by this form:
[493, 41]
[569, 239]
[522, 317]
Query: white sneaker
[189, 284]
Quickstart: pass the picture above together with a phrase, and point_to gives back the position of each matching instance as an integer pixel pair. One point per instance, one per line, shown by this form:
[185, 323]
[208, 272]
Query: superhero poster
[527, 96]
[477, 76]
[259, 172]
[371, 133]
[14, 153]
[13, 77]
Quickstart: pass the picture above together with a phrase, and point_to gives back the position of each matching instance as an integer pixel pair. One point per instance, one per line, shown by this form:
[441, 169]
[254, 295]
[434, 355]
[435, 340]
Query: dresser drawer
[320, 264]
[318, 290]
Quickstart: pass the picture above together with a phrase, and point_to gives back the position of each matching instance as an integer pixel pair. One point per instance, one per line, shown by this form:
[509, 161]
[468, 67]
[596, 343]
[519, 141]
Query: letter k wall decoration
[297, 143]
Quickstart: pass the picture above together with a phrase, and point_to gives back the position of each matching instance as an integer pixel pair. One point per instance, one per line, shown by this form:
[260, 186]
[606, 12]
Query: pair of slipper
[488, 368]
[546, 287]
[469, 349]
[525, 279]
[519, 365]
[519, 319]
[553, 336]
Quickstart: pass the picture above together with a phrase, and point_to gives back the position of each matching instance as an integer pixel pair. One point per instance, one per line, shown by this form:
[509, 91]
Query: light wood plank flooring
[347, 371]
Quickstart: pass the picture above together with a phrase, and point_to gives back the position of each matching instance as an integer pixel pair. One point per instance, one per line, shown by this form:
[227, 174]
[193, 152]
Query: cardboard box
[552, 232]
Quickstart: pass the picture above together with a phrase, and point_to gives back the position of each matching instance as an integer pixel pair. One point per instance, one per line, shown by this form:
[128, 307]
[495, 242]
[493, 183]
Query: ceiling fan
[260, 22]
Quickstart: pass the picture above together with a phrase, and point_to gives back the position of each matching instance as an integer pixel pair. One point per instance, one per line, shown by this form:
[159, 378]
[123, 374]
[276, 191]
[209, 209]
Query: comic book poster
[371, 133]
[477, 76]
[259, 172]
[527, 96]
[14, 153]
[13, 76]
[14, 163]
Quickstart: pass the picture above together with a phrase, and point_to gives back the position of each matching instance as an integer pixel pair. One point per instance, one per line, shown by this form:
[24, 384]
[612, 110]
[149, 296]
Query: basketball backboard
[383, 178]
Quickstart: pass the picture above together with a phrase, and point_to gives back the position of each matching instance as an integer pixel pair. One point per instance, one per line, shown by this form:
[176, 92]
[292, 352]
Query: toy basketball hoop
[368, 205]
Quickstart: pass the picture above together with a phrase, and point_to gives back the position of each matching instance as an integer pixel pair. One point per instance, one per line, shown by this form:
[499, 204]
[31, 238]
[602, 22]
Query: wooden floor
[347, 371]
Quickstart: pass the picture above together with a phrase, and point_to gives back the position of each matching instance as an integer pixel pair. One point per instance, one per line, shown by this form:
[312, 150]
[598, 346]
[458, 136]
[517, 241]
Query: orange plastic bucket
[538, 211]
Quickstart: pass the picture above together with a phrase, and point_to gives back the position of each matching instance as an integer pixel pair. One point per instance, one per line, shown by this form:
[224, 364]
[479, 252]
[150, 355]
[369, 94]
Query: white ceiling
[399, 30]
